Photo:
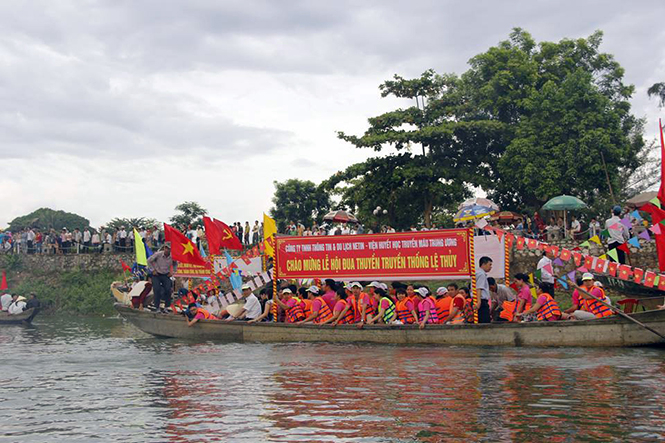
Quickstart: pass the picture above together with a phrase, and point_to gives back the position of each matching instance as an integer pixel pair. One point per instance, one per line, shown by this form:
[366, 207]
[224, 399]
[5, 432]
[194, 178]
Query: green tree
[139, 223]
[190, 214]
[300, 201]
[658, 90]
[46, 218]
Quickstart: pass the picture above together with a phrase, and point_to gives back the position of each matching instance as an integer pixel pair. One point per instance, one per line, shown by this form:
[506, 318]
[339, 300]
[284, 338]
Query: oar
[620, 312]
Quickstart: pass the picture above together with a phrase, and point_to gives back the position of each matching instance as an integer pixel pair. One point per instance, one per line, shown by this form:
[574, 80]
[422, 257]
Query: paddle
[619, 312]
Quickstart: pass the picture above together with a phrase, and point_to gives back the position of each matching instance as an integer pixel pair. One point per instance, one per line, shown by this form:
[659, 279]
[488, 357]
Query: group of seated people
[14, 304]
[375, 303]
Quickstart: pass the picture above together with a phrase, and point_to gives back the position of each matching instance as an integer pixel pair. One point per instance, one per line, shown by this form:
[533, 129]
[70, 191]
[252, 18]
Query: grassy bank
[79, 292]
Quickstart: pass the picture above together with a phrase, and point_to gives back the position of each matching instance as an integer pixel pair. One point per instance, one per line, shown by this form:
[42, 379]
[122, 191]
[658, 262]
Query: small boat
[24, 317]
[122, 295]
[612, 331]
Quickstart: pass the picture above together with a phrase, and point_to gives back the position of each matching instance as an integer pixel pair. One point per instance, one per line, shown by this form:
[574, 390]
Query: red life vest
[307, 307]
[324, 311]
[510, 309]
[295, 313]
[597, 308]
[206, 315]
[403, 313]
[349, 316]
[549, 310]
[433, 316]
[369, 308]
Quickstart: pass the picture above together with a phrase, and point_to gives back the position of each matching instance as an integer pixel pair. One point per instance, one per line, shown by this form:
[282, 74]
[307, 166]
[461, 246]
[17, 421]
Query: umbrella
[479, 201]
[472, 212]
[506, 216]
[641, 199]
[563, 203]
[340, 217]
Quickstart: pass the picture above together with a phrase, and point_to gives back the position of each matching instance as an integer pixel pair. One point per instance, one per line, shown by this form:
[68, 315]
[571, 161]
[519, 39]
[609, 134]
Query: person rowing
[320, 310]
[592, 305]
[443, 301]
[521, 303]
[343, 310]
[545, 307]
[197, 314]
[366, 303]
[427, 308]
[386, 308]
[456, 314]
[406, 312]
[291, 305]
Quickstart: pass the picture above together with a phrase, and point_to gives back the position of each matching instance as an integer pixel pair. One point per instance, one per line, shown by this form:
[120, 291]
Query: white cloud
[119, 108]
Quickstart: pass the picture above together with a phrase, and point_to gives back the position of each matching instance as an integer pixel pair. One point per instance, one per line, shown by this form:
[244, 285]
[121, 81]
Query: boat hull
[24, 317]
[607, 332]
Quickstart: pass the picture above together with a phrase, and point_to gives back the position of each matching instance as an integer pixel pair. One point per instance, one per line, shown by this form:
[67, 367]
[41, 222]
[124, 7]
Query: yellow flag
[595, 239]
[139, 247]
[269, 230]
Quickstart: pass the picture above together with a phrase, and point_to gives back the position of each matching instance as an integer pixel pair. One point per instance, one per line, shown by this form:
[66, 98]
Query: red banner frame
[417, 255]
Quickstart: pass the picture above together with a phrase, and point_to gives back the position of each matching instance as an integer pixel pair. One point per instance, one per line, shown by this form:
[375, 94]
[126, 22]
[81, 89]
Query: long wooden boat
[24, 317]
[607, 332]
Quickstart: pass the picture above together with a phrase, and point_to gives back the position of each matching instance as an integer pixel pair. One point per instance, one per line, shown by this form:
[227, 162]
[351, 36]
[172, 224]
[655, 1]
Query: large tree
[46, 218]
[189, 214]
[299, 201]
[526, 122]
[137, 222]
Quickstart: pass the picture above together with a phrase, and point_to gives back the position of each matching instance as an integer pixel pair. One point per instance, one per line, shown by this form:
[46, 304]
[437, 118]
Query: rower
[456, 315]
[365, 302]
[443, 301]
[343, 310]
[578, 308]
[197, 314]
[545, 307]
[427, 308]
[386, 308]
[320, 310]
[406, 312]
[591, 305]
[291, 305]
[522, 302]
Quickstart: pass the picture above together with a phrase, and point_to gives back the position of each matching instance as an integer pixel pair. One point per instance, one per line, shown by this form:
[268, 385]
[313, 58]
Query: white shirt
[545, 275]
[86, 236]
[5, 301]
[31, 235]
[616, 235]
[214, 306]
[155, 234]
[482, 286]
[142, 233]
[95, 238]
[252, 307]
[17, 308]
[122, 234]
[78, 236]
[109, 239]
[575, 226]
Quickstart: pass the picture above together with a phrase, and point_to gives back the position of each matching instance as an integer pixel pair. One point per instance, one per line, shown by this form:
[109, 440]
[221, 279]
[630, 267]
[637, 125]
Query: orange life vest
[369, 308]
[206, 315]
[433, 317]
[324, 311]
[510, 309]
[459, 315]
[295, 314]
[443, 308]
[307, 307]
[549, 310]
[595, 307]
[403, 313]
[349, 316]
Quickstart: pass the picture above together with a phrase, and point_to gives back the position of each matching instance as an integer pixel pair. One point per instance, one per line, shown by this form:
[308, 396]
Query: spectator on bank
[122, 238]
[575, 228]
[255, 233]
[618, 234]
[594, 227]
[87, 239]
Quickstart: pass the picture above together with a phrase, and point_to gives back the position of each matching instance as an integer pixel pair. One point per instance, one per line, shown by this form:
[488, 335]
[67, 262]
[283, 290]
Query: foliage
[46, 218]
[11, 262]
[191, 214]
[658, 90]
[299, 201]
[525, 122]
[128, 223]
[78, 292]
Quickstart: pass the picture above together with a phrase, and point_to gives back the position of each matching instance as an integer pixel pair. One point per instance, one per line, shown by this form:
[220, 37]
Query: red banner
[405, 255]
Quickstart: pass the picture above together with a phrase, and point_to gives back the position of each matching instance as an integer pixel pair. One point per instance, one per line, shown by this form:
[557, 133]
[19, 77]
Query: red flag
[612, 268]
[3, 285]
[499, 234]
[520, 242]
[578, 258]
[125, 267]
[599, 267]
[588, 261]
[649, 279]
[555, 251]
[625, 272]
[661, 282]
[182, 248]
[624, 247]
[565, 254]
[661, 191]
[639, 273]
[532, 243]
[220, 236]
[510, 239]
[657, 216]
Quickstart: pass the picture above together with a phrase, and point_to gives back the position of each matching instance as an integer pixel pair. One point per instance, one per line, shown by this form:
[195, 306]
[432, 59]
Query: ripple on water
[94, 378]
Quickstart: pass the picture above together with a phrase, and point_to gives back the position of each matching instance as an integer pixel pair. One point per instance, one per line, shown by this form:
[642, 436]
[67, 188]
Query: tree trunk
[427, 215]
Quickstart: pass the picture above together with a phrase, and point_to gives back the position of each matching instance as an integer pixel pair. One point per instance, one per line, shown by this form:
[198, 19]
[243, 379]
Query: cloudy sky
[127, 108]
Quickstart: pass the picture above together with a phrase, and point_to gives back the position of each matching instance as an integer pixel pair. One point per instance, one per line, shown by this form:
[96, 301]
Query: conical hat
[234, 310]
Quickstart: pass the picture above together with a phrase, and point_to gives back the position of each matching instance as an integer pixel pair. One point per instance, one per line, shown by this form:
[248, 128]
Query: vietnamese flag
[612, 268]
[578, 258]
[624, 272]
[657, 216]
[219, 236]
[600, 265]
[520, 242]
[638, 274]
[588, 261]
[565, 254]
[532, 243]
[182, 248]
[661, 282]
[649, 279]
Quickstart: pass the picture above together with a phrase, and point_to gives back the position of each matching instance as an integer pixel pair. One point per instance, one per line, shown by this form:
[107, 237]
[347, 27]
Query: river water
[100, 379]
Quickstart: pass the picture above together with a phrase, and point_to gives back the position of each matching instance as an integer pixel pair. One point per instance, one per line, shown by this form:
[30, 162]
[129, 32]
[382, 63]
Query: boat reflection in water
[304, 392]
